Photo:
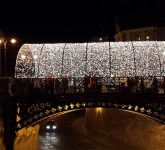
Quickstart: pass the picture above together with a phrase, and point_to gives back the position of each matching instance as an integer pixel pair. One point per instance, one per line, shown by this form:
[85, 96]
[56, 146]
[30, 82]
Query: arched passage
[104, 59]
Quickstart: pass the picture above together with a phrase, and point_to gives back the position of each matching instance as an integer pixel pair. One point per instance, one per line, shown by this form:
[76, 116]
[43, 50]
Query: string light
[102, 59]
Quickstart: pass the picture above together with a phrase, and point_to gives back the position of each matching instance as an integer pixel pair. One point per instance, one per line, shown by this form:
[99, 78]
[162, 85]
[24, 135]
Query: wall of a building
[141, 34]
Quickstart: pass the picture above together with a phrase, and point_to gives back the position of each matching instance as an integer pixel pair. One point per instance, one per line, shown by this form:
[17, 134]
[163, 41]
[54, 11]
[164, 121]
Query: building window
[139, 38]
[100, 39]
[147, 38]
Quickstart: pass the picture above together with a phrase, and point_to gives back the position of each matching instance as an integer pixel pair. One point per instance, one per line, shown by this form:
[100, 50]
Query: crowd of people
[87, 84]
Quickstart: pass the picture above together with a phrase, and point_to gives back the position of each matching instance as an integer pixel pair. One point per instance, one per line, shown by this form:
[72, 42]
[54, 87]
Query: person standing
[57, 86]
[155, 85]
[64, 84]
[142, 87]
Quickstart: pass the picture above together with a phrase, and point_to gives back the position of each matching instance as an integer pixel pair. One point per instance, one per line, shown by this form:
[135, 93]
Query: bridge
[24, 105]
[23, 111]
[150, 105]
[126, 76]
[128, 95]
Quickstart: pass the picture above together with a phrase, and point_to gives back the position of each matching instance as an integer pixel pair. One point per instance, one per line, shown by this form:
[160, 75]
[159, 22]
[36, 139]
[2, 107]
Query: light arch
[104, 59]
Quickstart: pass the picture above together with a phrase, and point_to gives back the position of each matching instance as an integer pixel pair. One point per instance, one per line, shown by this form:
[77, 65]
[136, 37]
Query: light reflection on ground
[106, 129]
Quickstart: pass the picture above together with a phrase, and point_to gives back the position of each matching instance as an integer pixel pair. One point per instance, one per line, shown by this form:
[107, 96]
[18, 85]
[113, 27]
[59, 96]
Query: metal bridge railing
[53, 86]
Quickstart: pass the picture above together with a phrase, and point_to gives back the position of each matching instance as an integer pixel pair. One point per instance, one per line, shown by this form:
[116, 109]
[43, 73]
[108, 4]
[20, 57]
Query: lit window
[139, 38]
[100, 39]
[147, 37]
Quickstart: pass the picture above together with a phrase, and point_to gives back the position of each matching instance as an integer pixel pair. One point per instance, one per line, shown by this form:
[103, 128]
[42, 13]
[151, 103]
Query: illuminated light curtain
[26, 62]
[122, 59]
[98, 59]
[161, 50]
[103, 59]
[74, 59]
[147, 58]
[51, 59]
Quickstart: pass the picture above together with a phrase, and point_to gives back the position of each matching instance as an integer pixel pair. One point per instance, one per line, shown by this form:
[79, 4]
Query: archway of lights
[104, 59]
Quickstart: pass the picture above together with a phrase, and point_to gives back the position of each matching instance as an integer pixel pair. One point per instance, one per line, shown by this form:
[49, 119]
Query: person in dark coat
[64, 84]
[155, 85]
[142, 86]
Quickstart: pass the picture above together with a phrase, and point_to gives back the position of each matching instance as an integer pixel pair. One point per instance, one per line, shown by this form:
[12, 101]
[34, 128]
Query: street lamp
[3, 44]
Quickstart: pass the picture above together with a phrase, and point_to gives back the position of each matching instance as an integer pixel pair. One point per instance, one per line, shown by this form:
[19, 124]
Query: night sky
[76, 21]
[73, 21]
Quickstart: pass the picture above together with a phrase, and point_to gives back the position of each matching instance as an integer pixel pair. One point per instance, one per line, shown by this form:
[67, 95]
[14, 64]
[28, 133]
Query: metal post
[0, 62]
[5, 51]
[9, 122]
[86, 59]
[62, 69]
[4, 46]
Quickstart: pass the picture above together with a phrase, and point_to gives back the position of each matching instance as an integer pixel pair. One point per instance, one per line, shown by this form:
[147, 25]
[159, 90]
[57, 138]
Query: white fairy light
[23, 56]
[35, 56]
[103, 59]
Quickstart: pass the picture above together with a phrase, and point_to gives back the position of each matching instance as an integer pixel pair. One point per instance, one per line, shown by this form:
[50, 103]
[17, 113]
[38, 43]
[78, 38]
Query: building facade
[151, 33]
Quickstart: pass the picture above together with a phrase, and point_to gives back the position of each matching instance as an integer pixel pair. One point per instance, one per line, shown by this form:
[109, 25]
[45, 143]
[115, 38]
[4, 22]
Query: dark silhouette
[57, 86]
[64, 85]
[86, 83]
[155, 85]
[142, 86]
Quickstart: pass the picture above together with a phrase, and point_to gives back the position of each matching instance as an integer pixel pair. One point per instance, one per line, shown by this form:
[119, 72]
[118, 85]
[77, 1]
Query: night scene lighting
[102, 59]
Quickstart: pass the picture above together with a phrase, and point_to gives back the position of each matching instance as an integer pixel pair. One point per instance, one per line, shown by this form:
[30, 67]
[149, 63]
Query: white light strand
[122, 59]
